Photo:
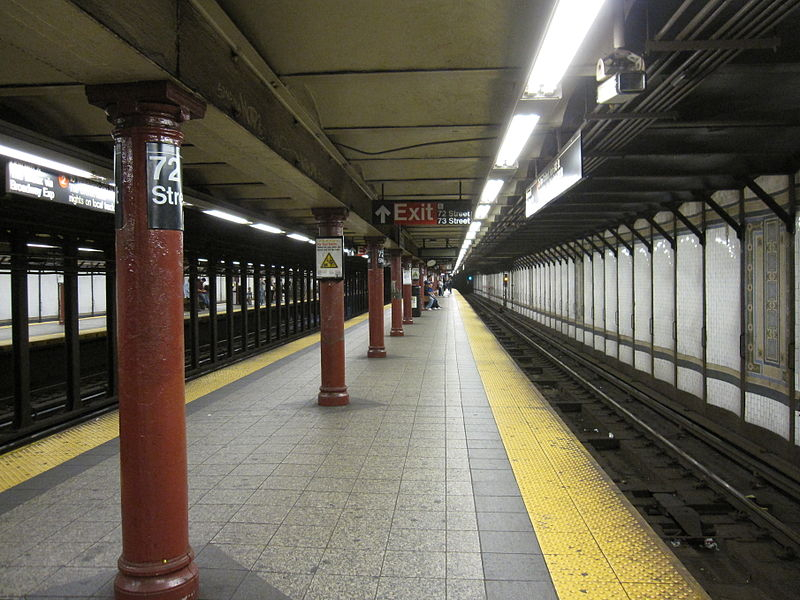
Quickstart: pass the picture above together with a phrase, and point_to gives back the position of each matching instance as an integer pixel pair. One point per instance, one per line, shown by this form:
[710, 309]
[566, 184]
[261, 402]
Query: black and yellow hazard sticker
[329, 262]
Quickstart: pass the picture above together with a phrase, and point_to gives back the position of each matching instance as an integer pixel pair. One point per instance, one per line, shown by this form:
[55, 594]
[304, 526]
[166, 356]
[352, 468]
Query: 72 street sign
[420, 213]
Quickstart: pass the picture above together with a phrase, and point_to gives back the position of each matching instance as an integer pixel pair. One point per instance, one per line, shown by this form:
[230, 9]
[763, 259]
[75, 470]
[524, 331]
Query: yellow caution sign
[330, 257]
[328, 262]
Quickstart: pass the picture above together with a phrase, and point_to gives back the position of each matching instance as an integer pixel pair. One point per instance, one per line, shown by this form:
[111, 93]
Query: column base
[408, 322]
[333, 397]
[376, 352]
[183, 584]
[396, 332]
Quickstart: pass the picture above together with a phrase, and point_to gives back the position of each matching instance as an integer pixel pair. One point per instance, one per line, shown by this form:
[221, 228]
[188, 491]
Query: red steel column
[397, 293]
[333, 390]
[157, 561]
[421, 283]
[407, 315]
[375, 282]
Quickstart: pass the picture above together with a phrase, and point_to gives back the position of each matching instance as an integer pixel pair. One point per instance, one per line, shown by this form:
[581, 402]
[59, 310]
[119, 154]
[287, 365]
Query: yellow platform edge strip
[37, 457]
[595, 543]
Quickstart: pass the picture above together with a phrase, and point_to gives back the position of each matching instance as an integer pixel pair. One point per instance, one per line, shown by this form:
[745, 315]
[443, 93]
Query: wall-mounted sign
[560, 175]
[406, 276]
[415, 274]
[34, 182]
[387, 212]
[165, 189]
[330, 257]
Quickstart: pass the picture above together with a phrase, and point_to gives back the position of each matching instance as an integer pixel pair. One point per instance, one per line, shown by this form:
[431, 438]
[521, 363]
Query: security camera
[619, 61]
[620, 77]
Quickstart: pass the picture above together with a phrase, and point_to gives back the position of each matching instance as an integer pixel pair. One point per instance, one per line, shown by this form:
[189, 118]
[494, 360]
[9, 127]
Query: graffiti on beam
[246, 113]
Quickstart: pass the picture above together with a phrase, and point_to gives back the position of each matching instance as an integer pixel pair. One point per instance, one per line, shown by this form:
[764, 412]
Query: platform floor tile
[405, 493]
[594, 543]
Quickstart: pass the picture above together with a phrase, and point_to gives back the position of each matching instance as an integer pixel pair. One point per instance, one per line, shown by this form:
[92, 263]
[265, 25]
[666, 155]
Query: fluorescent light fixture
[482, 211]
[475, 226]
[236, 262]
[46, 162]
[312, 242]
[41, 246]
[490, 191]
[298, 237]
[517, 135]
[265, 227]
[89, 250]
[568, 26]
[470, 235]
[227, 217]
[202, 260]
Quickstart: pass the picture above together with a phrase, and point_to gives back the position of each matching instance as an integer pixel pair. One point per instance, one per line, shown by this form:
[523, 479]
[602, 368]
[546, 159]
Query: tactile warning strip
[597, 547]
[28, 461]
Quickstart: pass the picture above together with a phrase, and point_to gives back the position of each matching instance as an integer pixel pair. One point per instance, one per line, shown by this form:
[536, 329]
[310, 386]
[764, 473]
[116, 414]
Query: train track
[732, 517]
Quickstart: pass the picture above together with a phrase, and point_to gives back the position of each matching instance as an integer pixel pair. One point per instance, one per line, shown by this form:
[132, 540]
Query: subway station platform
[447, 476]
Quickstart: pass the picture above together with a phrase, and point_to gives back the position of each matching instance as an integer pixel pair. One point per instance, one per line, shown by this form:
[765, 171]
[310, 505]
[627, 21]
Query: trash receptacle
[416, 301]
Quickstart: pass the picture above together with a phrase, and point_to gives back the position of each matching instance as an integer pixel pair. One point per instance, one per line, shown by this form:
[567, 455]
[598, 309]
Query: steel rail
[784, 534]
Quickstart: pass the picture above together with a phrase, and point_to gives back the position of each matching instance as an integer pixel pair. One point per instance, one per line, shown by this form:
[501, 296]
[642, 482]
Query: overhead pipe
[776, 9]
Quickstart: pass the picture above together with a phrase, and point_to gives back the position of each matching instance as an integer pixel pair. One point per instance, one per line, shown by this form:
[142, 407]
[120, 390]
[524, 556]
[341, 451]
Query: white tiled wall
[571, 297]
[767, 413]
[5, 297]
[642, 306]
[611, 303]
[541, 306]
[723, 280]
[564, 282]
[625, 298]
[663, 308]
[546, 294]
[690, 312]
[723, 394]
[553, 293]
[599, 300]
[588, 300]
[797, 325]
[602, 297]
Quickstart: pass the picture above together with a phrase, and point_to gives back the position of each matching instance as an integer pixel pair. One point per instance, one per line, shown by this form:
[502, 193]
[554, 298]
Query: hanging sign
[409, 213]
[330, 257]
[29, 180]
[164, 186]
[560, 176]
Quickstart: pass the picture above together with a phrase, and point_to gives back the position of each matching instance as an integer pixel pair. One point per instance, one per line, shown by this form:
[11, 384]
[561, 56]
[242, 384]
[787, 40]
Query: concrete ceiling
[321, 103]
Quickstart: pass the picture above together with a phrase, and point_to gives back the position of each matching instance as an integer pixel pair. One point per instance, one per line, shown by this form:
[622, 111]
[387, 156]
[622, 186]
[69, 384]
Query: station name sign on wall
[387, 212]
[34, 182]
